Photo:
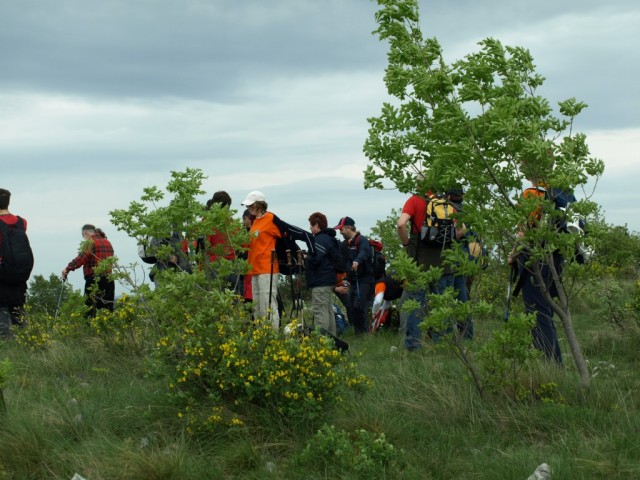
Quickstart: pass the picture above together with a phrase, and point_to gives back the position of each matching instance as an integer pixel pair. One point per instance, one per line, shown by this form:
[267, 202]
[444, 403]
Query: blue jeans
[545, 337]
[465, 328]
[414, 334]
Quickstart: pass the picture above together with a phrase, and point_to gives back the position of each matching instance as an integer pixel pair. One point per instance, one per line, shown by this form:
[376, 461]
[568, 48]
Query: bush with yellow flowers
[239, 362]
[122, 328]
[296, 374]
[40, 327]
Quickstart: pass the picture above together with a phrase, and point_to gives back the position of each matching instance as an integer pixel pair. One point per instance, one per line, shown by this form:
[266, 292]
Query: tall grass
[78, 407]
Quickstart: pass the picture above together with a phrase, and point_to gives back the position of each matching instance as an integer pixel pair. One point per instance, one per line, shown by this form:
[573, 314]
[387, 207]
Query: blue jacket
[360, 251]
[320, 270]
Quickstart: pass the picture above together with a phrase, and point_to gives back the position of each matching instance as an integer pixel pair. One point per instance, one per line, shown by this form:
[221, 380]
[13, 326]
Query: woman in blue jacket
[321, 274]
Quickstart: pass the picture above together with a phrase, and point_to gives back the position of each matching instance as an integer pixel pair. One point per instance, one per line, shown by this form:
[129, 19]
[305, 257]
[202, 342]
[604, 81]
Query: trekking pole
[300, 308]
[293, 296]
[512, 274]
[273, 259]
[64, 280]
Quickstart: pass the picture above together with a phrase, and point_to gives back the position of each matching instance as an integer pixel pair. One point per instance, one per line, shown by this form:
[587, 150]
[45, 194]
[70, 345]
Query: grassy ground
[77, 407]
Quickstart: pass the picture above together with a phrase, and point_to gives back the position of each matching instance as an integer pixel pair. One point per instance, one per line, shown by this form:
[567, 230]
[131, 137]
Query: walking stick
[299, 307]
[293, 297]
[273, 259]
[512, 275]
[64, 280]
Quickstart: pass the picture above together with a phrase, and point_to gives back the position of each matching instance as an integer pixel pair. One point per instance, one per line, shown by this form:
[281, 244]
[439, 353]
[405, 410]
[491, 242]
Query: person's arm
[403, 225]
[363, 254]
[322, 250]
[76, 263]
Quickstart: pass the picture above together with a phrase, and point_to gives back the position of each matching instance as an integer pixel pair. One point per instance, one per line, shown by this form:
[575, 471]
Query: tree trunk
[561, 308]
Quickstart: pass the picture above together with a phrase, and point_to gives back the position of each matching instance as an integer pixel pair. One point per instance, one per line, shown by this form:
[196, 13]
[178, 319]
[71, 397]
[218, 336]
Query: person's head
[347, 227]
[318, 222]
[5, 196]
[456, 195]
[88, 230]
[221, 198]
[256, 203]
[247, 219]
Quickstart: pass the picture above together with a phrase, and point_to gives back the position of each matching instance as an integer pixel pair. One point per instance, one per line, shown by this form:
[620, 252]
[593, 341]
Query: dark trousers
[545, 337]
[11, 315]
[99, 294]
[360, 300]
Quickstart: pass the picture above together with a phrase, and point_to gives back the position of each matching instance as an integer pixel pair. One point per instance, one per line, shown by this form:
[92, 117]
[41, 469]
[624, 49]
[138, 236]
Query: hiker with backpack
[359, 255]
[321, 273]
[262, 258]
[426, 230]
[470, 244]
[16, 263]
[99, 289]
[544, 334]
[178, 260]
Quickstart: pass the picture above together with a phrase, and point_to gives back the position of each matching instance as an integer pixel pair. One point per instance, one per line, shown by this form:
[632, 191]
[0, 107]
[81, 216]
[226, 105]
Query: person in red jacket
[95, 248]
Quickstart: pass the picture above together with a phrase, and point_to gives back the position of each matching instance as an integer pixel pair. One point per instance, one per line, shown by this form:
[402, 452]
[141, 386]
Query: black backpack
[561, 201]
[16, 257]
[378, 262]
[289, 260]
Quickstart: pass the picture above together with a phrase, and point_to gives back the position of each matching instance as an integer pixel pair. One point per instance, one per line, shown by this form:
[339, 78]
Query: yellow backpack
[439, 228]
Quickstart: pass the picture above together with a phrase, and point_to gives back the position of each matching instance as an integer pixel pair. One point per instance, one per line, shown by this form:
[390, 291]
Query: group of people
[333, 268]
[354, 287]
[411, 227]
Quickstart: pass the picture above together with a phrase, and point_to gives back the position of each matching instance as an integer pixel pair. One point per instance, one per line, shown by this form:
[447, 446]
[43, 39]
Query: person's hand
[342, 289]
[65, 272]
[354, 266]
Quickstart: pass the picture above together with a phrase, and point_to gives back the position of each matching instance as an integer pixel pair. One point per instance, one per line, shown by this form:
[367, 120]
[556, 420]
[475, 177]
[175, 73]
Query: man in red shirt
[409, 227]
[12, 293]
[95, 248]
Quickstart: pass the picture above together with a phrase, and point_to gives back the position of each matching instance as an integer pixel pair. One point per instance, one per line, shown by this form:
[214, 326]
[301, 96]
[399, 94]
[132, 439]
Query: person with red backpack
[359, 274]
[99, 289]
[16, 263]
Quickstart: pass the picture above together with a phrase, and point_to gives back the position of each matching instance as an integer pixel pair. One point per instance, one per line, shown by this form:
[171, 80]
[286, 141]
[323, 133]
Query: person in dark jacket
[359, 275]
[12, 295]
[321, 275]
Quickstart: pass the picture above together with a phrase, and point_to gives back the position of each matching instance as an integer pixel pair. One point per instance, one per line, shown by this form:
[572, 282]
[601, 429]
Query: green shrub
[361, 454]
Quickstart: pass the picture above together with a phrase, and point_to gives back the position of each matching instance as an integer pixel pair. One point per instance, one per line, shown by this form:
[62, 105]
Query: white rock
[543, 472]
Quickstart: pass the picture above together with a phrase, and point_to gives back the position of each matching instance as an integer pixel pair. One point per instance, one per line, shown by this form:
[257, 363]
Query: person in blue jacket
[359, 275]
[321, 274]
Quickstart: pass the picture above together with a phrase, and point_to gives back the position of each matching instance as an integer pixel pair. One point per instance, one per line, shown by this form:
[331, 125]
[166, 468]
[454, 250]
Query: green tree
[479, 121]
[46, 296]
[386, 231]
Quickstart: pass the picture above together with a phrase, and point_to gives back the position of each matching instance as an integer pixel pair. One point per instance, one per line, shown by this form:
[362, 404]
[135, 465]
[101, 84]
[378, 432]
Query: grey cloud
[187, 49]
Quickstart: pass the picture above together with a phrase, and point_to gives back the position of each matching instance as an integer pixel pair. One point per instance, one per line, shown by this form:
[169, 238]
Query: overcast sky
[99, 99]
